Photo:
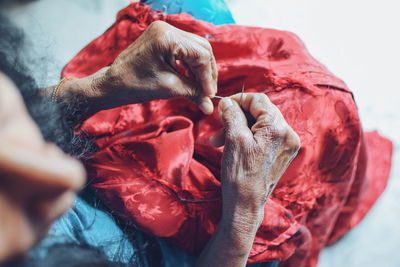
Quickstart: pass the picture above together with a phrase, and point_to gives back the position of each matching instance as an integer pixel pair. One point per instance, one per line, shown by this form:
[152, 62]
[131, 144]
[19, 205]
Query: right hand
[254, 158]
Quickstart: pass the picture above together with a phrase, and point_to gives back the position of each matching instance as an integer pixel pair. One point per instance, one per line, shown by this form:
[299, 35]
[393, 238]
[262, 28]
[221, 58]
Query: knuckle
[267, 102]
[241, 138]
[292, 143]
[158, 25]
[261, 96]
[266, 120]
[205, 53]
[237, 137]
[278, 132]
[204, 42]
[204, 57]
[194, 55]
[207, 44]
[159, 31]
[198, 56]
[166, 81]
[229, 116]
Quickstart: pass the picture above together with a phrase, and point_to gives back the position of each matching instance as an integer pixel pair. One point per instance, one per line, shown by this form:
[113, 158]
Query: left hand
[164, 62]
[149, 67]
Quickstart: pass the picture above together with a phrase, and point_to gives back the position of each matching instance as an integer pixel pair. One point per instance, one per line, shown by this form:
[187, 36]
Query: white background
[358, 40]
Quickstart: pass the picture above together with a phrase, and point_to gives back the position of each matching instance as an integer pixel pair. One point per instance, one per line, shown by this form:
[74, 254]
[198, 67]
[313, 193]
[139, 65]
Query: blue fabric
[84, 224]
[214, 11]
[93, 226]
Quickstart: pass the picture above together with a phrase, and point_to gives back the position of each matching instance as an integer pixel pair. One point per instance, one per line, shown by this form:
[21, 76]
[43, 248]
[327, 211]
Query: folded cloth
[156, 168]
[85, 224]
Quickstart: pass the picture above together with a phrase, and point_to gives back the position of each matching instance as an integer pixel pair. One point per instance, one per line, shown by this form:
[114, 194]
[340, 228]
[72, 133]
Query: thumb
[233, 119]
[182, 86]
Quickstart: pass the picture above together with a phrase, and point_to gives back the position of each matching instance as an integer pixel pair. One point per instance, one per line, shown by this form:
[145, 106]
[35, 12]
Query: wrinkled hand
[151, 67]
[254, 158]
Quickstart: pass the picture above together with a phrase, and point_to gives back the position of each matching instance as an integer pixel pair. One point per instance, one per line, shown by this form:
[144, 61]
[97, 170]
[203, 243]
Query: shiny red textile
[155, 166]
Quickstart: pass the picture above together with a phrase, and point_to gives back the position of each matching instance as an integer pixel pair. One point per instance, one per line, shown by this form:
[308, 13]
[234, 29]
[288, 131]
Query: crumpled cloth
[156, 169]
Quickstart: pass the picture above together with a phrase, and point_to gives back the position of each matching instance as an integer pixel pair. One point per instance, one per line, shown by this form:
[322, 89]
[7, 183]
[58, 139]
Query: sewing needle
[241, 96]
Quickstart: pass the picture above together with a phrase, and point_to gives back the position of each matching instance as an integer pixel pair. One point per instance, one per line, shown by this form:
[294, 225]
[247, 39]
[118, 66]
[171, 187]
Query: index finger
[201, 62]
[270, 122]
[257, 104]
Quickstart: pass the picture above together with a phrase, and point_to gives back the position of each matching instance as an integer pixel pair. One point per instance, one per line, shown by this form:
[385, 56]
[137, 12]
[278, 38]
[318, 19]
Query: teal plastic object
[214, 11]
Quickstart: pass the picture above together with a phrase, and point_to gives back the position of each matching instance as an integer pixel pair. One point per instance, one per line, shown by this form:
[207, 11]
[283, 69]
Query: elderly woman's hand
[166, 62]
[255, 156]
[259, 145]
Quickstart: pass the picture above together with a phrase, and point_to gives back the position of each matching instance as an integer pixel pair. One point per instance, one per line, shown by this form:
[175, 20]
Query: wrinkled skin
[255, 157]
[153, 56]
[164, 62]
[37, 180]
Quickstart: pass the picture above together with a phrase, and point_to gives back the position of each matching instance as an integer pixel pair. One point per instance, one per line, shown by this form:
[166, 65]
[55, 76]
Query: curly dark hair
[50, 117]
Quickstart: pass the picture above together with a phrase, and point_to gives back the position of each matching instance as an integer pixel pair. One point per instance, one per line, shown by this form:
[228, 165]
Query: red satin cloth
[156, 168]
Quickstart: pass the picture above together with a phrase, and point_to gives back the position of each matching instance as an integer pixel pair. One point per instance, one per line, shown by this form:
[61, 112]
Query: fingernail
[206, 107]
[226, 103]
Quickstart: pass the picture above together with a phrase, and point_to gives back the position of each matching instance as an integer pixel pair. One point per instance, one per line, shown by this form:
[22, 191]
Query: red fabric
[155, 166]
